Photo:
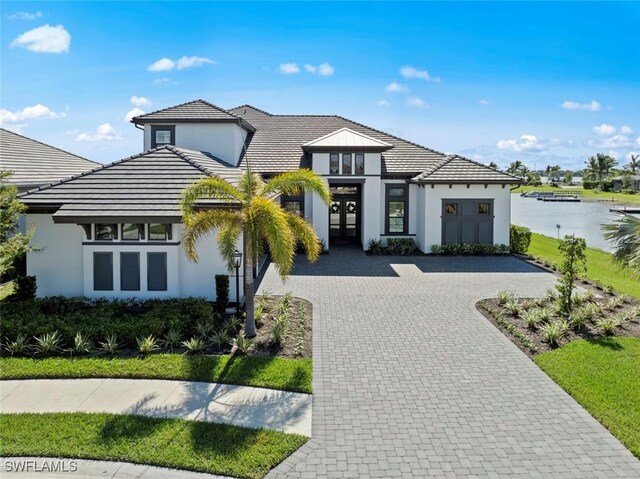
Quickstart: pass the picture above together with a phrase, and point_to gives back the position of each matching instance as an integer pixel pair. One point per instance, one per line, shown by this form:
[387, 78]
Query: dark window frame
[140, 231]
[114, 232]
[389, 199]
[350, 165]
[338, 159]
[170, 128]
[122, 271]
[293, 199]
[166, 273]
[167, 232]
[96, 281]
[355, 163]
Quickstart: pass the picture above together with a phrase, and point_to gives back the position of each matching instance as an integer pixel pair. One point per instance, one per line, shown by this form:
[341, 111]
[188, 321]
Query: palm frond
[305, 234]
[228, 237]
[203, 223]
[624, 233]
[269, 221]
[250, 184]
[208, 188]
[293, 183]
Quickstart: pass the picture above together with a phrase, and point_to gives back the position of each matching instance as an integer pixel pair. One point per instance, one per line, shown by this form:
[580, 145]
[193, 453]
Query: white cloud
[310, 68]
[38, 111]
[162, 65]
[626, 130]
[44, 39]
[140, 101]
[417, 103]
[288, 68]
[574, 105]
[325, 69]
[411, 72]
[396, 87]
[159, 81]
[638, 141]
[133, 112]
[193, 61]
[604, 129]
[526, 143]
[24, 16]
[383, 103]
[104, 132]
[483, 102]
[616, 141]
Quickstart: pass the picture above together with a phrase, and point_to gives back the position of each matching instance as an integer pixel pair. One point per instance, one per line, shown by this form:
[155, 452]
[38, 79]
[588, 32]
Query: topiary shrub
[222, 293]
[470, 249]
[519, 239]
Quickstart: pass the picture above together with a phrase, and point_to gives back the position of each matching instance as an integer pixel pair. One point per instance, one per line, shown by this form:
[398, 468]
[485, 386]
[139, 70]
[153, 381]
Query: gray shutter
[157, 271]
[130, 271]
[103, 271]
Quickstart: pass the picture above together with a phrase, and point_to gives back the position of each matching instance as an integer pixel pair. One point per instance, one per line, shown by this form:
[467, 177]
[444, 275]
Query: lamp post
[237, 261]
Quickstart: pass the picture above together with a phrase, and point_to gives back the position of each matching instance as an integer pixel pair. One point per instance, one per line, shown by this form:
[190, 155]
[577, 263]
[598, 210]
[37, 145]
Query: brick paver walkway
[411, 381]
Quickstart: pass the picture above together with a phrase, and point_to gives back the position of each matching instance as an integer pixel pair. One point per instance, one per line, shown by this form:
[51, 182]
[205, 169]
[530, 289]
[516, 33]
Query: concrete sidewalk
[210, 402]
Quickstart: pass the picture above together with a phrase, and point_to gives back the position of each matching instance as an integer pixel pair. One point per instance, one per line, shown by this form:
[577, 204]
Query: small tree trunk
[250, 321]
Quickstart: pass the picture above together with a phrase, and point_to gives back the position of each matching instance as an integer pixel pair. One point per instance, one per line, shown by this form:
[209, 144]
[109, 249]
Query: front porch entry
[344, 214]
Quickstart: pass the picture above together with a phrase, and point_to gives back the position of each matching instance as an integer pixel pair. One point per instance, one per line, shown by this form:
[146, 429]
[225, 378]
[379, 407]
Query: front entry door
[344, 215]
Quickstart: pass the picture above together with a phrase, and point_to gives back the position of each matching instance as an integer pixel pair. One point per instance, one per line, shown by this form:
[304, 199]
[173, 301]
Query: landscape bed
[175, 443]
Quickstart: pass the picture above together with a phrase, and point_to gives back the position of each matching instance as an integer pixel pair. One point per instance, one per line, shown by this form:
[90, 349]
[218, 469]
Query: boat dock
[558, 196]
[625, 209]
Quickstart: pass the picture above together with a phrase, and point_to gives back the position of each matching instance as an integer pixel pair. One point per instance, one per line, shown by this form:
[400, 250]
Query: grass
[599, 265]
[6, 289]
[198, 446]
[267, 372]
[602, 375]
[586, 194]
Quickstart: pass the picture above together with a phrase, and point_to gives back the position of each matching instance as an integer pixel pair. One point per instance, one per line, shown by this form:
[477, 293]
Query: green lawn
[213, 448]
[599, 265]
[267, 372]
[587, 194]
[603, 376]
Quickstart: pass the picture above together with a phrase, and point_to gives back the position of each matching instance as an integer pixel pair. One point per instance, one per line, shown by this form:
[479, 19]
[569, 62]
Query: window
[293, 204]
[159, 232]
[334, 164]
[103, 271]
[157, 271]
[163, 135]
[451, 208]
[396, 209]
[105, 232]
[346, 163]
[359, 168]
[483, 209]
[130, 271]
[132, 232]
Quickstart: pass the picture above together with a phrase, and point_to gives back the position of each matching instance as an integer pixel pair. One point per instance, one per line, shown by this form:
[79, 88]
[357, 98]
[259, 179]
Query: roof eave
[159, 121]
[506, 181]
[366, 149]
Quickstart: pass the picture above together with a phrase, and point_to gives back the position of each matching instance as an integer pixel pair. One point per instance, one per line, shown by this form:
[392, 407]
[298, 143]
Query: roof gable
[34, 163]
[347, 138]
[192, 111]
[457, 169]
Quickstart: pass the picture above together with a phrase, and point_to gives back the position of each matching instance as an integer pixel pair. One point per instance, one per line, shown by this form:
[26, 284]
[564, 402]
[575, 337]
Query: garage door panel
[450, 232]
[485, 232]
[468, 222]
[468, 232]
[469, 208]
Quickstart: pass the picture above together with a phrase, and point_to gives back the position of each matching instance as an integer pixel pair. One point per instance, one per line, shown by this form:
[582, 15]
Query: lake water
[583, 219]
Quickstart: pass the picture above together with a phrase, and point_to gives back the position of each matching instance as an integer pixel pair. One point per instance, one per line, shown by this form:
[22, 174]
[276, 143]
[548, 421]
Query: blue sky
[539, 82]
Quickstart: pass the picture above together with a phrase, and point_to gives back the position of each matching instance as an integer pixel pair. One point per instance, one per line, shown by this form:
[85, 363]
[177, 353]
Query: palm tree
[552, 172]
[256, 216]
[599, 167]
[493, 165]
[517, 168]
[634, 164]
[624, 233]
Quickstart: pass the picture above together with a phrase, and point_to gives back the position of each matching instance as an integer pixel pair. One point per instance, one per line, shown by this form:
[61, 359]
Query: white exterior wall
[370, 210]
[224, 140]
[420, 218]
[58, 268]
[433, 209]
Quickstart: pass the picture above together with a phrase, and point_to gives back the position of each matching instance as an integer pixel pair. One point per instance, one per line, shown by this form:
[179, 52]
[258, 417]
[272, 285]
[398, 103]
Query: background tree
[573, 263]
[493, 165]
[256, 218]
[624, 233]
[568, 177]
[553, 173]
[533, 179]
[13, 245]
[634, 164]
[517, 168]
[599, 167]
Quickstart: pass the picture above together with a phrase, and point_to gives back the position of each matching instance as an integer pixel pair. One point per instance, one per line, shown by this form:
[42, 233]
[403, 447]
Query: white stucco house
[115, 230]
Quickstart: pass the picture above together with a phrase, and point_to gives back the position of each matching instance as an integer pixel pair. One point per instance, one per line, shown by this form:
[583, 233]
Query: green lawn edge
[176, 443]
[603, 377]
[610, 196]
[599, 265]
[266, 372]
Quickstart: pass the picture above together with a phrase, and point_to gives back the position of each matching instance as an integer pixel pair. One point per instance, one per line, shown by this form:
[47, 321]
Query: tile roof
[347, 138]
[457, 169]
[276, 145]
[34, 163]
[192, 111]
[146, 185]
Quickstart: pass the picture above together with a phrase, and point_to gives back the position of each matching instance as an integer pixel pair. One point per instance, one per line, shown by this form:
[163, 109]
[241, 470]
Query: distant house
[115, 231]
[35, 164]
[618, 183]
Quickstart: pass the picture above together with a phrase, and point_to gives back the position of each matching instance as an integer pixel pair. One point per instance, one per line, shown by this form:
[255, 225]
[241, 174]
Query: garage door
[467, 221]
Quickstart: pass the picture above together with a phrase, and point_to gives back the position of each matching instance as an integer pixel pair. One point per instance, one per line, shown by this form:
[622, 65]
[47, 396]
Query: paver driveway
[410, 380]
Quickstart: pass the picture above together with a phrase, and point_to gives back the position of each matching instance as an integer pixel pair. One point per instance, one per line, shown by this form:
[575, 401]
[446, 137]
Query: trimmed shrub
[466, 249]
[401, 246]
[25, 288]
[375, 246]
[519, 239]
[222, 293]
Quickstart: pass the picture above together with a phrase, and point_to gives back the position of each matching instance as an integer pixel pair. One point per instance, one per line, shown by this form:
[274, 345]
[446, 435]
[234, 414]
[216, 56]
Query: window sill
[398, 234]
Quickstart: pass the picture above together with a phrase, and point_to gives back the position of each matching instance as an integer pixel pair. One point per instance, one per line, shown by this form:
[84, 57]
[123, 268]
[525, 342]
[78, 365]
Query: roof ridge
[100, 168]
[178, 150]
[484, 166]
[208, 103]
[50, 146]
[252, 107]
